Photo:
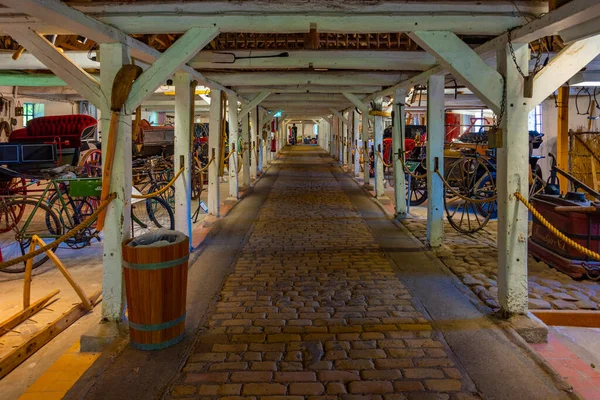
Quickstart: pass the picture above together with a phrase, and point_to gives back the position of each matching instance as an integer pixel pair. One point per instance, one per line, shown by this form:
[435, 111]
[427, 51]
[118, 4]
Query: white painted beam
[247, 151]
[170, 61]
[214, 149]
[339, 115]
[435, 158]
[378, 148]
[181, 157]
[309, 88]
[28, 61]
[464, 64]
[398, 135]
[117, 224]
[356, 102]
[365, 142]
[254, 132]
[512, 176]
[254, 102]
[68, 20]
[355, 139]
[318, 59]
[584, 30]
[234, 131]
[561, 68]
[64, 68]
[335, 78]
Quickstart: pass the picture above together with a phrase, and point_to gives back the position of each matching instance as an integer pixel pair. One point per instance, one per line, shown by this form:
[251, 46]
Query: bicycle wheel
[43, 223]
[74, 211]
[167, 196]
[13, 187]
[149, 215]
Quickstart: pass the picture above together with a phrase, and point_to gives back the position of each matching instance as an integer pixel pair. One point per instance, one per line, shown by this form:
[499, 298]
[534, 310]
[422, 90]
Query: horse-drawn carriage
[469, 173]
[46, 192]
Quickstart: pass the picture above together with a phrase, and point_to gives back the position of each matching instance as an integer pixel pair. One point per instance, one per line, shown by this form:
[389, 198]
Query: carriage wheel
[472, 178]
[418, 189]
[13, 187]
[92, 162]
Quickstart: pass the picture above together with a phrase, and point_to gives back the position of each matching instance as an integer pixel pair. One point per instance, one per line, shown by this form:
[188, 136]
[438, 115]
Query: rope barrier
[465, 198]
[202, 169]
[229, 155]
[69, 235]
[161, 191]
[378, 113]
[556, 232]
[382, 160]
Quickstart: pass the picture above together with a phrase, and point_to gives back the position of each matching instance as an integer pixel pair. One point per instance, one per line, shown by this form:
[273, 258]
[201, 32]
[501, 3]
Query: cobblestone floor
[474, 259]
[313, 309]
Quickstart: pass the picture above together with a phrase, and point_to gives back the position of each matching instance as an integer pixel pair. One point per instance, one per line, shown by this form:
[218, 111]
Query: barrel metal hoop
[159, 265]
[156, 327]
[157, 346]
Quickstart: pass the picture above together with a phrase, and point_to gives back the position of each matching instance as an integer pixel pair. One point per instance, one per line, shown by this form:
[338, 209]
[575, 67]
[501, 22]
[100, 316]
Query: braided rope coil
[555, 231]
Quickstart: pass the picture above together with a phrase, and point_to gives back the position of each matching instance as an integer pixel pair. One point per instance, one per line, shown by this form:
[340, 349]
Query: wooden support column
[398, 129]
[117, 223]
[355, 139]
[378, 132]
[183, 143]
[260, 162]
[248, 151]
[234, 129]
[254, 143]
[562, 141]
[513, 176]
[366, 160]
[345, 126]
[435, 159]
[214, 136]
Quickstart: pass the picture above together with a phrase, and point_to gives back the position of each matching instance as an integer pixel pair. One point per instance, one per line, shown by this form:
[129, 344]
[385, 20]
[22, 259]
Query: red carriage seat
[68, 128]
[409, 145]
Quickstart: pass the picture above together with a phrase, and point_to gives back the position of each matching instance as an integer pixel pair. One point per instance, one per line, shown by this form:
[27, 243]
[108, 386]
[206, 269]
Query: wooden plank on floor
[37, 341]
[580, 318]
[26, 313]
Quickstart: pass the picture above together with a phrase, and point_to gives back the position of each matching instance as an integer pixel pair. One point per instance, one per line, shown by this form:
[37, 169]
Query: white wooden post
[247, 152]
[261, 148]
[234, 129]
[512, 176]
[356, 138]
[345, 141]
[366, 160]
[435, 159]
[398, 136]
[118, 217]
[183, 142]
[214, 135]
[253, 143]
[379, 188]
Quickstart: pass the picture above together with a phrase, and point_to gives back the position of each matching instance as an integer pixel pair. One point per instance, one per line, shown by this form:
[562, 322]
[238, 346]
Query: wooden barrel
[156, 284]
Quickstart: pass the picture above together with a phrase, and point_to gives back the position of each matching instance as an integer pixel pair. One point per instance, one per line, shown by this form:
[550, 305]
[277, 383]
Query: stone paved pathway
[314, 310]
[474, 259]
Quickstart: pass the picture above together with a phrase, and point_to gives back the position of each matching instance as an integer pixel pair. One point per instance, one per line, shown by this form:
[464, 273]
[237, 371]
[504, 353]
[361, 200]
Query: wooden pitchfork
[120, 91]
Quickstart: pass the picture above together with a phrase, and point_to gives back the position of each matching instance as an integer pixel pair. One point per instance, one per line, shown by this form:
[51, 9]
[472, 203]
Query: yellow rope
[229, 155]
[382, 160]
[158, 192]
[556, 232]
[69, 235]
[378, 113]
[206, 166]
[465, 198]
